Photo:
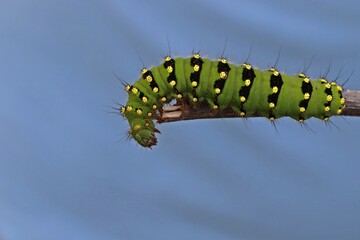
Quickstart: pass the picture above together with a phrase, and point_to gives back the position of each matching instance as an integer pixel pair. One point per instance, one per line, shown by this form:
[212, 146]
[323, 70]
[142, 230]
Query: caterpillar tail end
[143, 132]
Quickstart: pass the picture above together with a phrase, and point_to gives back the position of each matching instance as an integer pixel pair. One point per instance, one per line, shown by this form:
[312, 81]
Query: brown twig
[182, 112]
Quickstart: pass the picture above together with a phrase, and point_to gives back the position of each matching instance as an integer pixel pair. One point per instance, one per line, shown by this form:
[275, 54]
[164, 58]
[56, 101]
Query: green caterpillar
[222, 85]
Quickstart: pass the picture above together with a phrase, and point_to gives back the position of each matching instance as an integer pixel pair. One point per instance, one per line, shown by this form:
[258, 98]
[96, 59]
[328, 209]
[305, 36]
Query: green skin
[142, 127]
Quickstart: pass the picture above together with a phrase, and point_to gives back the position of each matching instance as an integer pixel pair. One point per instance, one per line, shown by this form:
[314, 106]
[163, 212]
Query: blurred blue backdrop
[66, 172]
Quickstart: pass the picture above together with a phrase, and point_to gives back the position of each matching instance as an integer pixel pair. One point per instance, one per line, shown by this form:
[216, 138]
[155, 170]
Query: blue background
[67, 173]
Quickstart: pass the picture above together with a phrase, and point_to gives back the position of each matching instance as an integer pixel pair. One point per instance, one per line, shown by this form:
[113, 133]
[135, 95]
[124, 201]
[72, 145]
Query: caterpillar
[221, 85]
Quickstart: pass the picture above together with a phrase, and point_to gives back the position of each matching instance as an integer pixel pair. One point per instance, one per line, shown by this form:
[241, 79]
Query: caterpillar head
[143, 131]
